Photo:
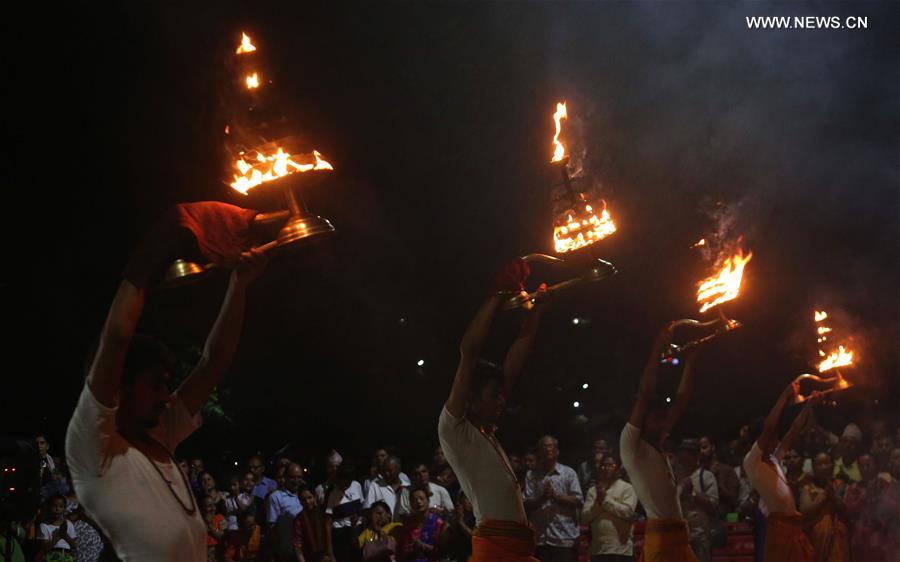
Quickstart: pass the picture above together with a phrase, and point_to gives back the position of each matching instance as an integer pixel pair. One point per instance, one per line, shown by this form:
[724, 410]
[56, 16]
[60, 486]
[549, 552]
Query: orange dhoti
[785, 539]
[502, 541]
[666, 540]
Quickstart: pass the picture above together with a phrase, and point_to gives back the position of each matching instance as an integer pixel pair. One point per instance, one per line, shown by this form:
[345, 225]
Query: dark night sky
[437, 119]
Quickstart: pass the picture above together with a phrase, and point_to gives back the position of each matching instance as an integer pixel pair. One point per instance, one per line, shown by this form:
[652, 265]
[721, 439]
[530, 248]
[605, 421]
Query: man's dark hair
[147, 353]
[485, 373]
[49, 501]
[382, 504]
[420, 488]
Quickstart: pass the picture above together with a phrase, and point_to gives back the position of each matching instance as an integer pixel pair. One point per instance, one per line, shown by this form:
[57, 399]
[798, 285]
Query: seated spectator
[195, 468]
[792, 461]
[342, 505]
[387, 487]
[244, 545]
[310, 531]
[216, 525]
[459, 531]
[422, 533]
[56, 534]
[439, 498]
[880, 451]
[609, 510]
[88, 540]
[377, 541]
[247, 501]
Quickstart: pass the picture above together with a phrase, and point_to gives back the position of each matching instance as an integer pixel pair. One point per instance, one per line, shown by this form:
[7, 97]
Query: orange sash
[785, 539]
[502, 541]
[666, 540]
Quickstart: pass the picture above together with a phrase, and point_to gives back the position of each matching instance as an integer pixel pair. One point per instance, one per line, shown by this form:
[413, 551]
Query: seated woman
[423, 534]
[378, 541]
[310, 529]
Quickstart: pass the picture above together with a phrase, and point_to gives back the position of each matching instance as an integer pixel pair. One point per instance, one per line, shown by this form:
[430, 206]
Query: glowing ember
[820, 315]
[840, 358]
[253, 81]
[577, 233]
[701, 242]
[724, 285]
[559, 151]
[246, 46]
[251, 172]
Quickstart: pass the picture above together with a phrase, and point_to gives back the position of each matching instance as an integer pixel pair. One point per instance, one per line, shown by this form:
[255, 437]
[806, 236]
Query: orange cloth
[666, 540]
[830, 538]
[502, 541]
[785, 539]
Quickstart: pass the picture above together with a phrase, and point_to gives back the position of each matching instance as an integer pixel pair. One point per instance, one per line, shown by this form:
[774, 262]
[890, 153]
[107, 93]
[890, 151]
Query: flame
[820, 315]
[577, 233]
[724, 285]
[559, 151]
[246, 46]
[701, 242]
[840, 358]
[253, 81]
[271, 167]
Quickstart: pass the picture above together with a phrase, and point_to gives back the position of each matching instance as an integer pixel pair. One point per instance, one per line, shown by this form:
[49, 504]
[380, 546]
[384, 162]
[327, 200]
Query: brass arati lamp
[826, 385]
[718, 326]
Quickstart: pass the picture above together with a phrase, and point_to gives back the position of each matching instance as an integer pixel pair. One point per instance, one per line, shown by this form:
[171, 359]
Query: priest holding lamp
[128, 422]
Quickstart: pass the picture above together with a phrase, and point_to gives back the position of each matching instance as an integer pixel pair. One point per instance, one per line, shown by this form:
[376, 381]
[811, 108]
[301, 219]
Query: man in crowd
[785, 539]
[467, 425]
[586, 472]
[552, 501]
[727, 479]
[849, 446]
[262, 484]
[127, 421]
[699, 496]
[438, 500]
[609, 509]
[666, 533]
[387, 487]
[282, 508]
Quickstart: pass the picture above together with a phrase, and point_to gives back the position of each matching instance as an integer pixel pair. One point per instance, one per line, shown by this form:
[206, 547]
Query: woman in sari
[422, 534]
[823, 512]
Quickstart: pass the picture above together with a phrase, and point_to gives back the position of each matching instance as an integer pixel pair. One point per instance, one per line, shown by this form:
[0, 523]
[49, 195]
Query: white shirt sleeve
[92, 438]
[176, 424]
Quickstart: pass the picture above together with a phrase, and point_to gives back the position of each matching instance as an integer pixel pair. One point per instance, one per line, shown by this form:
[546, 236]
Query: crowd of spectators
[847, 488]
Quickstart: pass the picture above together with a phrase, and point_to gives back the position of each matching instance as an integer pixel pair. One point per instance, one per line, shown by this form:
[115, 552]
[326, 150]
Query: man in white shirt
[127, 423]
[785, 539]
[666, 533]
[343, 502]
[609, 509]
[466, 429]
[388, 486]
[438, 500]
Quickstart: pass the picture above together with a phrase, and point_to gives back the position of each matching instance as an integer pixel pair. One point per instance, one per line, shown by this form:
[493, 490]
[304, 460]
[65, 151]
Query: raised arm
[105, 374]
[683, 397]
[648, 378]
[768, 439]
[518, 352]
[469, 350]
[222, 341]
[800, 422]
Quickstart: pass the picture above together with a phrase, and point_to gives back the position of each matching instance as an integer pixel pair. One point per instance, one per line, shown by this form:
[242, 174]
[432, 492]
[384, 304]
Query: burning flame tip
[271, 167]
[252, 81]
[559, 151]
[724, 285]
[246, 45]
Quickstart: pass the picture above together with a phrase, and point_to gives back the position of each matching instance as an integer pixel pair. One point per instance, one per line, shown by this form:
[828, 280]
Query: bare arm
[520, 349]
[648, 378]
[469, 349]
[105, 374]
[222, 341]
[800, 422]
[768, 440]
[683, 398]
